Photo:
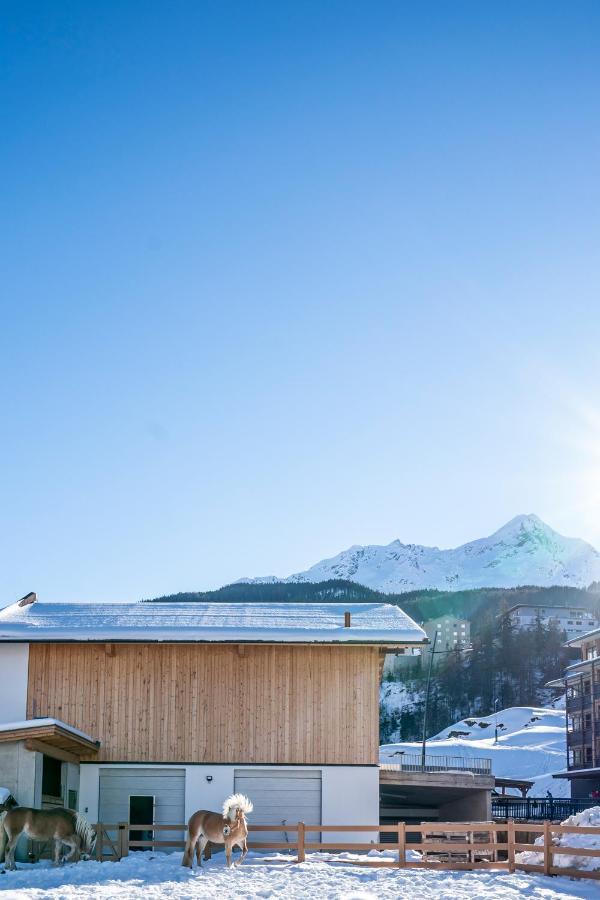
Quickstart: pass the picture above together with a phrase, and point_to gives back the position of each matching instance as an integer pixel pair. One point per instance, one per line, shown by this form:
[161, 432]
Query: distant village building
[582, 686]
[452, 634]
[572, 620]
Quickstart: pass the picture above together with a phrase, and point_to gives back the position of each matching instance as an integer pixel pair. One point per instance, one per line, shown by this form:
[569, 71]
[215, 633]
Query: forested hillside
[506, 665]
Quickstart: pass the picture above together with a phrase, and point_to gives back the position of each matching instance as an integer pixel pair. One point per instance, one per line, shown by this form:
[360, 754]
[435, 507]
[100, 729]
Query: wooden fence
[448, 845]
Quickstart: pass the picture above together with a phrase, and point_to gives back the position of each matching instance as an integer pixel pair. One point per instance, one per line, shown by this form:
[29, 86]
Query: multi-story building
[452, 634]
[582, 687]
[573, 621]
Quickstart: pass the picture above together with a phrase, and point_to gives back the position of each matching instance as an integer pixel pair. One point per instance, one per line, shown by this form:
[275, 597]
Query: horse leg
[188, 855]
[57, 849]
[228, 847]
[10, 851]
[75, 844]
[202, 842]
[244, 848]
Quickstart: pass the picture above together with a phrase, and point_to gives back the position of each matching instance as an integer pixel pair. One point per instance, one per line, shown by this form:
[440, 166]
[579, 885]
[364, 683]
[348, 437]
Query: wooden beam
[49, 750]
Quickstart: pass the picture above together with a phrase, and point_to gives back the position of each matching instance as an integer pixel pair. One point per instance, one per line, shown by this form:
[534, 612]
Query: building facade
[452, 634]
[582, 688]
[150, 711]
[572, 621]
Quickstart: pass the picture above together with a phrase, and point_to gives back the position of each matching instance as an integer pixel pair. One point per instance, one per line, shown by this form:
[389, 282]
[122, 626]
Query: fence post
[123, 840]
[510, 840]
[401, 845]
[547, 847]
[301, 853]
[99, 849]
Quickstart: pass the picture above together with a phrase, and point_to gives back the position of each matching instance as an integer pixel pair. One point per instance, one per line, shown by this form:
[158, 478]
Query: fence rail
[442, 845]
[413, 762]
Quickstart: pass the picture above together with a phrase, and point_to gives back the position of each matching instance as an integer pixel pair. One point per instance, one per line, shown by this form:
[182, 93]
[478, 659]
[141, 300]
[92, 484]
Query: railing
[446, 845]
[538, 809]
[579, 736]
[412, 762]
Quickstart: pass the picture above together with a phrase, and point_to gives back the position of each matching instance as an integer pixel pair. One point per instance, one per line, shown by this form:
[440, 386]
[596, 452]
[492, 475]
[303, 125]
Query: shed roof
[48, 735]
[372, 623]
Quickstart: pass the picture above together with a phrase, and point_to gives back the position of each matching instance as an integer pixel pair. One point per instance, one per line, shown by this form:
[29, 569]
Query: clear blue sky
[278, 278]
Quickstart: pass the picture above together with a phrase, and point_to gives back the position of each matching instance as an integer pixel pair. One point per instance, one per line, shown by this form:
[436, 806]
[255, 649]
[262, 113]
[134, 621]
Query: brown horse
[230, 829]
[63, 826]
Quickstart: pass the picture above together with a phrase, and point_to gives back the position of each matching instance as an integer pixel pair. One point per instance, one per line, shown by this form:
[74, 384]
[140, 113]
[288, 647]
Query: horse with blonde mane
[63, 826]
[230, 828]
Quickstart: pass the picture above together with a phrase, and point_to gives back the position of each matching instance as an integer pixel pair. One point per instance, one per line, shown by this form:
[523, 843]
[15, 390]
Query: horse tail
[85, 832]
[235, 802]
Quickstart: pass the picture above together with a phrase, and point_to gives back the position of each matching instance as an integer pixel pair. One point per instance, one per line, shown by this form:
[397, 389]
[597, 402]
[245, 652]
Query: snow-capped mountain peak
[525, 551]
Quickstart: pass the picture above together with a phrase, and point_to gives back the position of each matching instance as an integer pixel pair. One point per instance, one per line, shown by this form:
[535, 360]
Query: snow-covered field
[150, 876]
[531, 745]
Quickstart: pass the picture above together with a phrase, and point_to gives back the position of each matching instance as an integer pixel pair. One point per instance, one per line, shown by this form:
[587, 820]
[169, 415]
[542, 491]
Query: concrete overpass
[445, 790]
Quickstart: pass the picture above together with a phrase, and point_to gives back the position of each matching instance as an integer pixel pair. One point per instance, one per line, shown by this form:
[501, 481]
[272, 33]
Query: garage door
[280, 797]
[125, 794]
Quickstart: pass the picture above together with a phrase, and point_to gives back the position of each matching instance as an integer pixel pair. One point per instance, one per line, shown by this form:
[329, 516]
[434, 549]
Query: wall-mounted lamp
[209, 777]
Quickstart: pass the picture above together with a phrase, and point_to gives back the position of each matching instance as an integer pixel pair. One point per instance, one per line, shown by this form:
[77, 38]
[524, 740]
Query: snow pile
[158, 876]
[531, 745]
[524, 551]
[563, 860]
[4, 794]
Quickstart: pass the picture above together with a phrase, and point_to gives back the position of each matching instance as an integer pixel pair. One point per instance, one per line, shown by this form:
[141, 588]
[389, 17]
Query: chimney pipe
[346, 620]
[31, 597]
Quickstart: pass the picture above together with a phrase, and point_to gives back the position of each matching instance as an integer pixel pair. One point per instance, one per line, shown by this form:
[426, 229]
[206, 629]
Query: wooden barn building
[131, 711]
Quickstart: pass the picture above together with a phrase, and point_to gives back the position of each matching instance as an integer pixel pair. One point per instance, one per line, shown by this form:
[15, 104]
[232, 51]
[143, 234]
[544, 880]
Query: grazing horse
[230, 829]
[60, 825]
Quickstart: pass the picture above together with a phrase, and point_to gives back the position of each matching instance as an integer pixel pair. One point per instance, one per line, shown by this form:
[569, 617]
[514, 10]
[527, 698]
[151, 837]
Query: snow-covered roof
[375, 623]
[33, 724]
[582, 638]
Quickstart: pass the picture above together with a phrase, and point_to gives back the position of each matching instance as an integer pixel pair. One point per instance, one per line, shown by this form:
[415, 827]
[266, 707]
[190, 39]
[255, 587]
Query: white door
[280, 797]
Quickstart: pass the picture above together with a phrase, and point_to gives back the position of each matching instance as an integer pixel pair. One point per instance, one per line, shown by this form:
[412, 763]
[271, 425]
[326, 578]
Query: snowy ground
[150, 876]
[531, 744]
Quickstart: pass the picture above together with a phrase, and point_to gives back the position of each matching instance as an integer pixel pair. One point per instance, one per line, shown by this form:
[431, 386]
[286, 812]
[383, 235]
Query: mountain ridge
[524, 551]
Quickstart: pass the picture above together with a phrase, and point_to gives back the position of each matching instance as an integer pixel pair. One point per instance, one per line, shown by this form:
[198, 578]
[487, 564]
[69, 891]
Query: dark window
[141, 812]
[51, 777]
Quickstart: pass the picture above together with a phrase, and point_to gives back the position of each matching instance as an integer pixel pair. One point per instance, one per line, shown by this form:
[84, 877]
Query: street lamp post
[496, 701]
[424, 744]
[427, 689]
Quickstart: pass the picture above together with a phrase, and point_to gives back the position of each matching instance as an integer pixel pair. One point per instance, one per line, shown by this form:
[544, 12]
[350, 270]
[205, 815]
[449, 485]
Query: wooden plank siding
[213, 703]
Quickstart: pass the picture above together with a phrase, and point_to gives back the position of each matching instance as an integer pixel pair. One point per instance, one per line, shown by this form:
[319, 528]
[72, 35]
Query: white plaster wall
[14, 668]
[350, 794]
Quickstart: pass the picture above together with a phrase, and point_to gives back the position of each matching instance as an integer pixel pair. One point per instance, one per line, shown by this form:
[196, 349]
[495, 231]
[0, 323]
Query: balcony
[578, 702]
[582, 737]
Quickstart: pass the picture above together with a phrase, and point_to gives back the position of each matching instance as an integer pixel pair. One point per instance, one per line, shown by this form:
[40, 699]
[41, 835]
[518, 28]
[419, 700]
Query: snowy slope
[531, 745]
[525, 551]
